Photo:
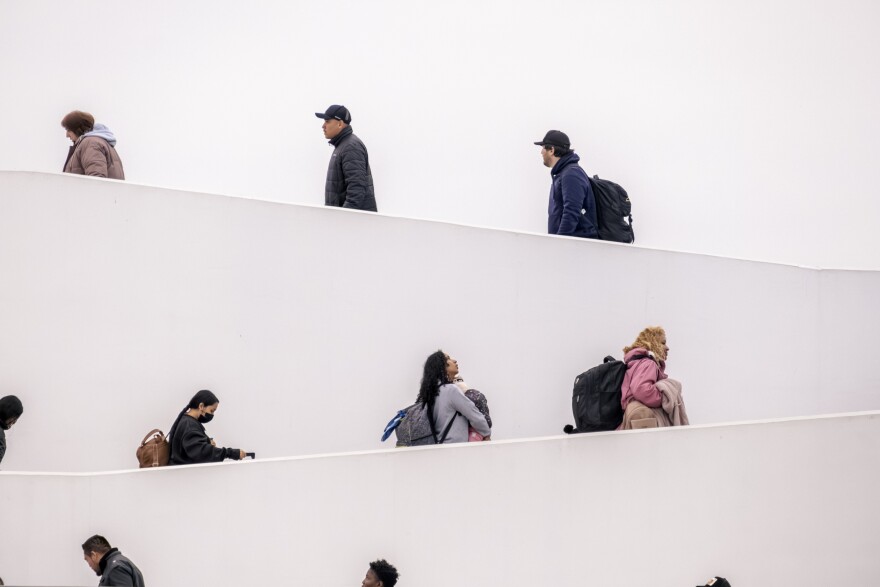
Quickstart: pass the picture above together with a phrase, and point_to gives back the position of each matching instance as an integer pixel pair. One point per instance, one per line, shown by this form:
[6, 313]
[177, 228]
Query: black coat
[190, 445]
[349, 180]
[572, 209]
[118, 571]
[2, 444]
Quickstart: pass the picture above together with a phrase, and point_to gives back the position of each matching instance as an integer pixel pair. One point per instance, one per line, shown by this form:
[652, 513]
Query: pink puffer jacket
[639, 381]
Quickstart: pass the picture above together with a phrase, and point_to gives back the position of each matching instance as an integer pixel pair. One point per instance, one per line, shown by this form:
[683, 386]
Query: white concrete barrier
[739, 130]
[119, 301]
[762, 503]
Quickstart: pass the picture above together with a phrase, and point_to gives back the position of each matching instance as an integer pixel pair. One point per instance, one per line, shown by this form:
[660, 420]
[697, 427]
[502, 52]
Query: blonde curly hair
[652, 338]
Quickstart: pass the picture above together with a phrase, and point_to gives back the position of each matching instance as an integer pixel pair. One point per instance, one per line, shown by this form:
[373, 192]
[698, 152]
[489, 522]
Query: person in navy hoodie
[572, 209]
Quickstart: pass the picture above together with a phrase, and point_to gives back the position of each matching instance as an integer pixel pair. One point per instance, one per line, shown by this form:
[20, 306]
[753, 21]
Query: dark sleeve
[2, 444]
[466, 408]
[482, 404]
[573, 195]
[120, 575]
[233, 453]
[354, 170]
[197, 447]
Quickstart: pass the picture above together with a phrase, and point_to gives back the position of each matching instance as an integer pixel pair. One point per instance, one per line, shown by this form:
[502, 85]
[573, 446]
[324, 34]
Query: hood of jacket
[564, 162]
[643, 351]
[103, 132]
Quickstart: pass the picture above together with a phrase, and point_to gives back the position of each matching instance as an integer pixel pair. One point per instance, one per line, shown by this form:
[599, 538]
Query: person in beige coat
[94, 147]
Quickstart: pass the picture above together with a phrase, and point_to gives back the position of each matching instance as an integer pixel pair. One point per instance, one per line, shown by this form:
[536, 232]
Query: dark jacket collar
[342, 134]
[103, 562]
[569, 159]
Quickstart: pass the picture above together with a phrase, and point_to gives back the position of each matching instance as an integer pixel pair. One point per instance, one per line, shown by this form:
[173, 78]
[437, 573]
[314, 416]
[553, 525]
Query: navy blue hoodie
[572, 208]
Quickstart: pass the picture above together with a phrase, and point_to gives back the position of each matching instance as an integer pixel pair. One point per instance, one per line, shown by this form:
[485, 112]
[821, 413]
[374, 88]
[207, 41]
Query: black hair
[203, 396]
[385, 571]
[559, 151]
[433, 376]
[10, 407]
[97, 544]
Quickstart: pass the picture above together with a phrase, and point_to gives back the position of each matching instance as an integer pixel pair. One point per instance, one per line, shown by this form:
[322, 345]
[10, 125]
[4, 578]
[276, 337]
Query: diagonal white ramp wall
[746, 129]
[119, 301]
[766, 503]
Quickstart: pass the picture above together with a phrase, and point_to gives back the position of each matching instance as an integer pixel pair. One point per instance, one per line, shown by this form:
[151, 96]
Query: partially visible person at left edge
[10, 411]
[94, 147]
[572, 209]
[108, 563]
[349, 179]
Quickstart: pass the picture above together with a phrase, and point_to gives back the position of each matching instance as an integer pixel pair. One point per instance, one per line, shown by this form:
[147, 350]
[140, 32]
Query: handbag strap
[151, 433]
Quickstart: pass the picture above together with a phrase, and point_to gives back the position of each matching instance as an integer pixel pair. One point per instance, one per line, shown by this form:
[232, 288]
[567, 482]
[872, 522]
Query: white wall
[771, 503]
[745, 129]
[312, 325]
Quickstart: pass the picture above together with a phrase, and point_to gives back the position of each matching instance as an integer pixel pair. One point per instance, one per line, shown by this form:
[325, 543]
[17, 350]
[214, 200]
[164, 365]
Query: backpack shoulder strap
[448, 427]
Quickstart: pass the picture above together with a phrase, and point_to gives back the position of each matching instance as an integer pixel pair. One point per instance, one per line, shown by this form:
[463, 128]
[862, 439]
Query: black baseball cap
[337, 112]
[555, 138]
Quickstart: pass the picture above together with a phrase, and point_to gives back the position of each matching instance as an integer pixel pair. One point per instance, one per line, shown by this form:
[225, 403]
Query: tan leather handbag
[154, 450]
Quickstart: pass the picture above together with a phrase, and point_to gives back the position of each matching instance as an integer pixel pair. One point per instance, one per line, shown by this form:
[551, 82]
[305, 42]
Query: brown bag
[154, 450]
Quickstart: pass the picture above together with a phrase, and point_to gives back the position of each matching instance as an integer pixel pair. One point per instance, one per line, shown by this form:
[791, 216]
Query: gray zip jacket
[451, 400]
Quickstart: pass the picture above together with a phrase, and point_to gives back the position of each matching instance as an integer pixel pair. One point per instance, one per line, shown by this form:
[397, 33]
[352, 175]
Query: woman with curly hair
[648, 396]
[446, 402]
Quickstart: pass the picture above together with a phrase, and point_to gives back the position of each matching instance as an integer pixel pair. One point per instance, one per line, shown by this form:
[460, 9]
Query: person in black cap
[10, 411]
[572, 209]
[349, 180]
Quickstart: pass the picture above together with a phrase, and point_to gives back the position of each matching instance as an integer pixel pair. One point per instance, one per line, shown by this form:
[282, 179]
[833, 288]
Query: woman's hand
[213, 443]
[242, 454]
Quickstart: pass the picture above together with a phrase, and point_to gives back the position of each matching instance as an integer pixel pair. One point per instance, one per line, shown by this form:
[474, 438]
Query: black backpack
[613, 211]
[595, 400]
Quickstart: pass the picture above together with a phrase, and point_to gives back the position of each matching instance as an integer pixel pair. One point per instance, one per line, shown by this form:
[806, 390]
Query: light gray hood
[103, 132]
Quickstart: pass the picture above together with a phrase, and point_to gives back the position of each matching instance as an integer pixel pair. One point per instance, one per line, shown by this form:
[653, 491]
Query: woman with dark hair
[94, 147]
[190, 444]
[10, 411]
[446, 402]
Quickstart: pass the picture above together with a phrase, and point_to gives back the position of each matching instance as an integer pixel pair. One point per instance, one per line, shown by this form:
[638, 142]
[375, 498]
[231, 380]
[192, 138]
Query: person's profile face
[547, 155]
[332, 127]
[371, 579]
[72, 136]
[92, 559]
[451, 368]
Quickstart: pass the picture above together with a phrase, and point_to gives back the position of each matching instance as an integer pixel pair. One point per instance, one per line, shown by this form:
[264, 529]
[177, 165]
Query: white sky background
[748, 129]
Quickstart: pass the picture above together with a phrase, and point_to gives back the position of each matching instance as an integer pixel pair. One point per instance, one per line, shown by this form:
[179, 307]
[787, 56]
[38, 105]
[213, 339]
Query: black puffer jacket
[349, 180]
